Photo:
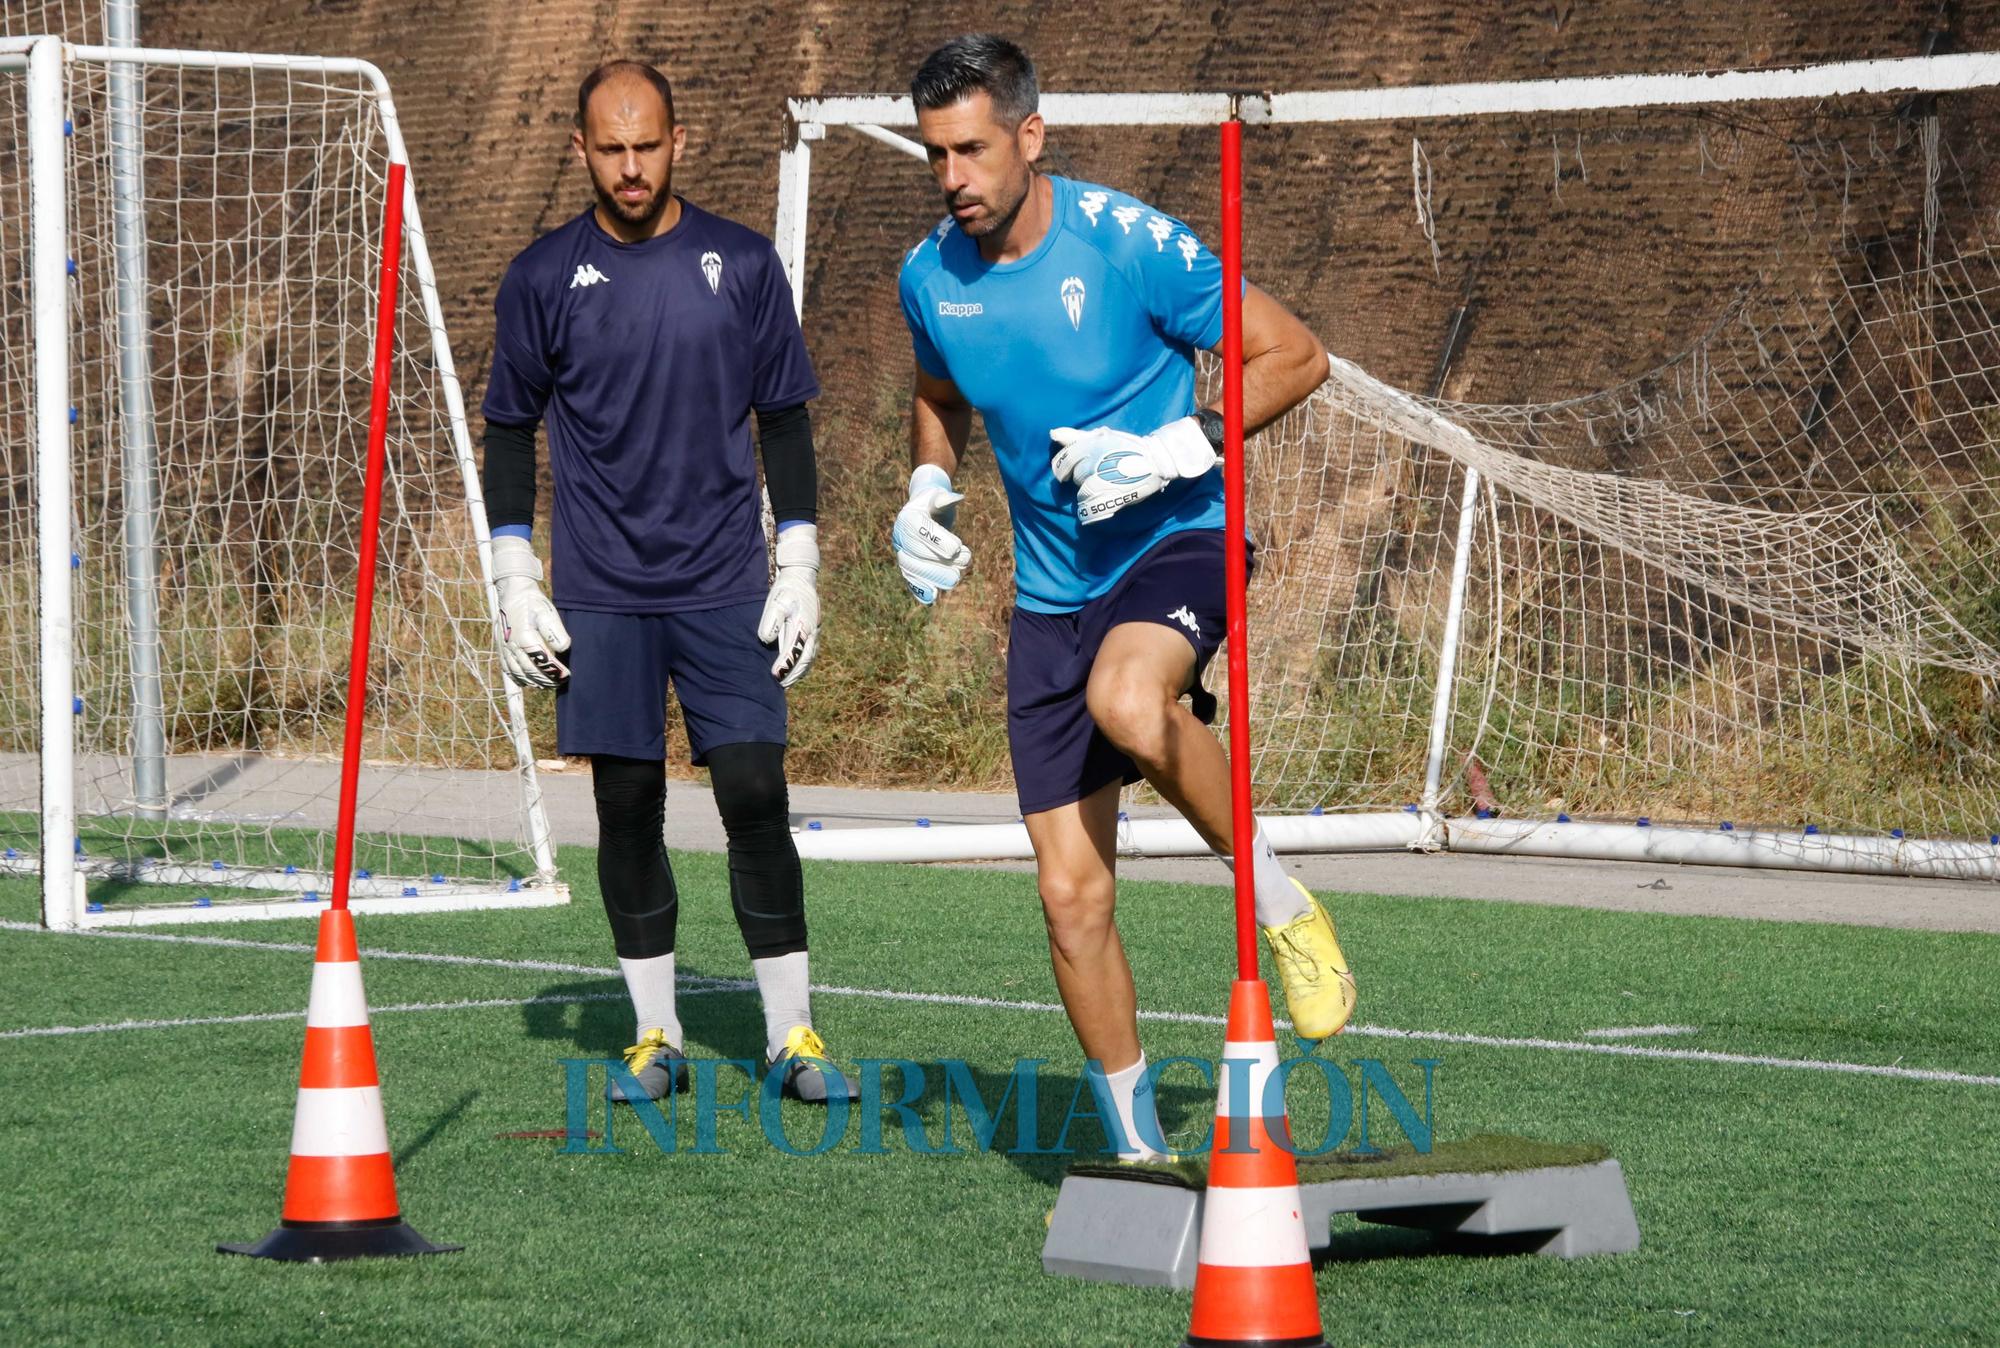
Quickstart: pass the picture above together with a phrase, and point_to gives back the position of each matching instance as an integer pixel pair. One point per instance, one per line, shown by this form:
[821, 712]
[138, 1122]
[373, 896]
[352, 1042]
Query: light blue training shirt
[1098, 326]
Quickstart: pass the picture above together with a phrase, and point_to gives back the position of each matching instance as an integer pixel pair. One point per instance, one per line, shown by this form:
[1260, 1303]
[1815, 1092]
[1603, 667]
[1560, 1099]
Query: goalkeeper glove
[791, 612]
[531, 631]
[1115, 469]
[931, 556]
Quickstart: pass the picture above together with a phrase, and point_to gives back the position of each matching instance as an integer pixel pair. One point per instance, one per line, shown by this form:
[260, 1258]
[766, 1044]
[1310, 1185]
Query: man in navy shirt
[644, 333]
[1067, 315]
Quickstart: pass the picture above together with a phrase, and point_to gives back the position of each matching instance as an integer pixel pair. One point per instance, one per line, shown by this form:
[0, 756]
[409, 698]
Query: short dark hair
[628, 68]
[975, 63]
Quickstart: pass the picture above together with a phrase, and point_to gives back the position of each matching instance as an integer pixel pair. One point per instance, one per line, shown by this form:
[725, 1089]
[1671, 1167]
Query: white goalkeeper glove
[791, 612]
[1115, 469]
[531, 631]
[932, 557]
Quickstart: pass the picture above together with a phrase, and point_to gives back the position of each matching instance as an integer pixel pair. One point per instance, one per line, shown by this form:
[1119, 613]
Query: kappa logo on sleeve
[1185, 617]
[1190, 249]
[1161, 229]
[1092, 204]
[711, 267]
[1126, 216]
[587, 275]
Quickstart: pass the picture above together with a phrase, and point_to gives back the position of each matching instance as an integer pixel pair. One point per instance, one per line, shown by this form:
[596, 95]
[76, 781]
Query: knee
[631, 796]
[749, 783]
[1077, 909]
[1132, 710]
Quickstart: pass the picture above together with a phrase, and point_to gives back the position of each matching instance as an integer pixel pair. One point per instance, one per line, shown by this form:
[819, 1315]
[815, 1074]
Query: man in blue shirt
[1067, 315]
[646, 331]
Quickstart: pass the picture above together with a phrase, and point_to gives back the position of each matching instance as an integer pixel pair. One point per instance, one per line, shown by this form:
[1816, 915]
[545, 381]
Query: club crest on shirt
[1072, 300]
[711, 267]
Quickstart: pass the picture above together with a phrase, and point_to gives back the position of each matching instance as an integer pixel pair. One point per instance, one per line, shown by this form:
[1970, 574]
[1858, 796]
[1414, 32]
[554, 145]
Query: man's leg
[735, 716]
[766, 886]
[1076, 869]
[613, 710]
[1134, 695]
[638, 885]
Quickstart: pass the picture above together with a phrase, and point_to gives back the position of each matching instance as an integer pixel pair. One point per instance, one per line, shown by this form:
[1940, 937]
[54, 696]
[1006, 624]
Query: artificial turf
[1778, 1204]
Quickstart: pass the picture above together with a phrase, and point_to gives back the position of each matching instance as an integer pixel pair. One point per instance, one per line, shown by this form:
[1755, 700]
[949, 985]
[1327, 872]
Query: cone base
[323, 1242]
[1195, 1341]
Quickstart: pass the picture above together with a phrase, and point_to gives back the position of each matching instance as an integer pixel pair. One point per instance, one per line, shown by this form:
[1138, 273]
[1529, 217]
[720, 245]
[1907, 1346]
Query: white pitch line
[1640, 1031]
[257, 1017]
[703, 984]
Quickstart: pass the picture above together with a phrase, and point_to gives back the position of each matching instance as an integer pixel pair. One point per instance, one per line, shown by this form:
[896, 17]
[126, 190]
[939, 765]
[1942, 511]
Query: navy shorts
[621, 665]
[1059, 754]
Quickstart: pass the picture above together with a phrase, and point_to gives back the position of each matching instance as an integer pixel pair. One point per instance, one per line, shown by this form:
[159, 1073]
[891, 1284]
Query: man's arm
[1282, 361]
[940, 423]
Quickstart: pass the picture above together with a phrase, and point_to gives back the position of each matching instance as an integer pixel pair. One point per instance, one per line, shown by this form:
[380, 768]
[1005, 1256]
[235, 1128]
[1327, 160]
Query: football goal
[1652, 509]
[190, 246]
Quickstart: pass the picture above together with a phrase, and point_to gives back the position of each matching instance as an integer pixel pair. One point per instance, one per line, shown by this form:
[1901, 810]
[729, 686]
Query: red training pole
[371, 522]
[1244, 826]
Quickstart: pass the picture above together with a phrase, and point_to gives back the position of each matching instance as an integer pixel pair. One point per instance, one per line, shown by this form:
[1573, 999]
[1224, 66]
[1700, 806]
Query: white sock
[783, 983]
[651, 983]
[1278, 899]
[1131, 1107]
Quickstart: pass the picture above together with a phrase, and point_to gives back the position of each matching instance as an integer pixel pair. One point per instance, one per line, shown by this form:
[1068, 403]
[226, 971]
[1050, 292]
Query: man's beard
[641, 214]
[995, 222]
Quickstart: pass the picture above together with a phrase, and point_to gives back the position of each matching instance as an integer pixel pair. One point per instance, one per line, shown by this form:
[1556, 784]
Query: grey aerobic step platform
[1143, 1227]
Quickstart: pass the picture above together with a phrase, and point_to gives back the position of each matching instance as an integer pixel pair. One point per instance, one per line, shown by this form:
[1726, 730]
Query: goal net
[1653, 505]
[221, 245]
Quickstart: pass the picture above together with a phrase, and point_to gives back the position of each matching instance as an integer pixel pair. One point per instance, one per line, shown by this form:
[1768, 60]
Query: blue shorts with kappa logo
[621, 665]
[1059, 754]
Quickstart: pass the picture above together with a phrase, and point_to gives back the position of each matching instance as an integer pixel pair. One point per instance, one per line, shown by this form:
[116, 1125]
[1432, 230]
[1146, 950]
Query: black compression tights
[632, 869]
[766, 889]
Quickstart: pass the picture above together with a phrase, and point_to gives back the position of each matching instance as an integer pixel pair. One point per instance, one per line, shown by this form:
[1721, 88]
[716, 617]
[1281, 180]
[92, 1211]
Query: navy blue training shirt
[646, 360]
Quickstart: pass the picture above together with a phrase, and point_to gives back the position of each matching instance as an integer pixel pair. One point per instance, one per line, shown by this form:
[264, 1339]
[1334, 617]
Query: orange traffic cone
[1254, 1281]
[340, 1192]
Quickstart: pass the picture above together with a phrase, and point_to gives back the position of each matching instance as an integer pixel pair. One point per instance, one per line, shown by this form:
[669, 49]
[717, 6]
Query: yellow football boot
[1319, 989]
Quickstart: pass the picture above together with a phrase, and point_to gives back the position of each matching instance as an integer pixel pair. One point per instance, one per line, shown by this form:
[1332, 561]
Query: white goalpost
[1683, 542]
[189, 247]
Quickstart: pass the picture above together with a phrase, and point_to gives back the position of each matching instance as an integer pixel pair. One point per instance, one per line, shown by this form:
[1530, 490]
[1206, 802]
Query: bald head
[631, 83]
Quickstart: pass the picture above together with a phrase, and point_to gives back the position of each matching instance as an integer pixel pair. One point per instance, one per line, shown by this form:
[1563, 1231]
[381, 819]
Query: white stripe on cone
[336, 996]
[1260, 1061]
[1252, 1228]
[339, 1121]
